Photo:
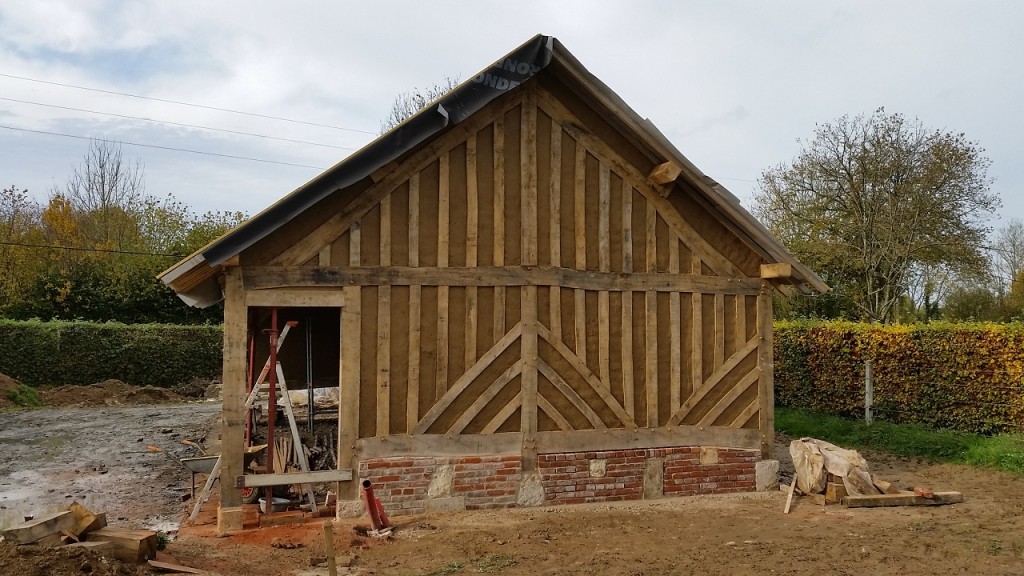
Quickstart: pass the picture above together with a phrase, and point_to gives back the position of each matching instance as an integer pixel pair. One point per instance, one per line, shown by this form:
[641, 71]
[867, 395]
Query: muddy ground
[99, 456]
[702, 535]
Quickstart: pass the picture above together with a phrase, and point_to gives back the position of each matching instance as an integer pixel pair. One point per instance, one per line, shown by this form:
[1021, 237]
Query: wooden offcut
[134, 546]
[902, 499]
[39, 528]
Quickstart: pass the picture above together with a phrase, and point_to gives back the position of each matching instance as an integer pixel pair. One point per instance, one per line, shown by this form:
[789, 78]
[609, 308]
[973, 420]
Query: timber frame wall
[518, 286]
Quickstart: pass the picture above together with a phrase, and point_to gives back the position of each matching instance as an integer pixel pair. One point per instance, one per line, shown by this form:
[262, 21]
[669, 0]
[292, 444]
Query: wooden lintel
[261, 480]
[267, 277]
[285, 297]
[776, 270]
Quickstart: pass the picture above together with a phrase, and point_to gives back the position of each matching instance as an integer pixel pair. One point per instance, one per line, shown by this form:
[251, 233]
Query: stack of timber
[80, 527]
[835, 492]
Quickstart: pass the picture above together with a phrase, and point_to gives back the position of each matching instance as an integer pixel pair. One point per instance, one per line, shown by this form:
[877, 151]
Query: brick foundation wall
[402, 484]
[411, 485]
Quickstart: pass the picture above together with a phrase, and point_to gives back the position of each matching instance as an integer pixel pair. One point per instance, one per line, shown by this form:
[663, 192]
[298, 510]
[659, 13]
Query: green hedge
[967, 376]
[57, 353]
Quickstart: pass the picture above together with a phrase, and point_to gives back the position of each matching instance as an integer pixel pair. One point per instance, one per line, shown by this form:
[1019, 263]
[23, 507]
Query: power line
[200, 152]
[77, 249]
[175, 123]
[203, 106]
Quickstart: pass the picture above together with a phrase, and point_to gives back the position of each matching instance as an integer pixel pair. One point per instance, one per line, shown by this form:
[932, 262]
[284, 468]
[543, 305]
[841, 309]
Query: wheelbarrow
[205, 464]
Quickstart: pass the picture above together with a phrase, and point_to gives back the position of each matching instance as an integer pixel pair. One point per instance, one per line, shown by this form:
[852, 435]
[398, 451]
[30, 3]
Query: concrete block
[654, 478]
[708, 455]
[766, 475]
[531, 491]
[229, 520]
[350, 509]
[441, 481]
[449, 504]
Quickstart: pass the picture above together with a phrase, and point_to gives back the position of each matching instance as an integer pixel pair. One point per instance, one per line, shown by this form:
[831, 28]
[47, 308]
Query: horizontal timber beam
[439, 445]
[777, 270]
[282, 297]
[621, 439]
[272, 277]
[261, 480]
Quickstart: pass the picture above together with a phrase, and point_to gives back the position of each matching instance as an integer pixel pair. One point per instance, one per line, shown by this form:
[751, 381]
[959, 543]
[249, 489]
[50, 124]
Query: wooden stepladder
[262, 389]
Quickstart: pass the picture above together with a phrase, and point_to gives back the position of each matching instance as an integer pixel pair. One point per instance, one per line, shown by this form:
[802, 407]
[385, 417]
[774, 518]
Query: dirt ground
[701, 535]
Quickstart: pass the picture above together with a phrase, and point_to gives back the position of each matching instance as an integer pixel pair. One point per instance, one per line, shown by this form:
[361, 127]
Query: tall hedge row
[967, 377]
[57, 353]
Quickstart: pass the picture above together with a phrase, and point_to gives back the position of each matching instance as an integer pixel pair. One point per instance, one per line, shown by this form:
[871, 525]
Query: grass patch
[1002, 451]
[24, 395]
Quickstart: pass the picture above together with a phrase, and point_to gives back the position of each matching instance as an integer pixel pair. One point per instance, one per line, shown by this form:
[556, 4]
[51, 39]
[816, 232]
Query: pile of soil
[107, 393]
[6, 385]
[36, 561]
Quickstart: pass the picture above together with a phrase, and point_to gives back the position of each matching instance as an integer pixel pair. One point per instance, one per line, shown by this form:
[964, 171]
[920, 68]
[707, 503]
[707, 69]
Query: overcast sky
[733, 84]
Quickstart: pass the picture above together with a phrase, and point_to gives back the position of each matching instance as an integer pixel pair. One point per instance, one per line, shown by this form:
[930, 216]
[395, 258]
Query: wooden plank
[604, 265]
[675, 332]
[86, 520]
[553, 413]
[499, 221]
[233, 413]
[777, 270]
[503, 415]
[529, 379]
[412, 405]
[639, 438]
[580, 218]
[297, 277]
[905, 499]
[628, 400]
[133, 546]
[719, 330]
[384, 326]
[555, 226]
[467, 378]
[651, 320]
[562, 386]
[332, 564]
[735, 392]
[38, 528]
[324, 257]
[765, 361]
[746, 414]
[439, 445]
[528, 180]
[595, 383]
[485, 397]
[696, 332]
[289, 478]
[716, 377]
[177, 568]
[295, 297]
[443, 238]
[472, 241]
[789, 498]
[664, 173]
[741, 320]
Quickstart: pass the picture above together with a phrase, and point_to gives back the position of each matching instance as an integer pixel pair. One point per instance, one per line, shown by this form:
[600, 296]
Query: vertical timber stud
[472, 242]
[765, 361]
[229, 514]
[443, 236]
[499, 222]
[412, 409]
[348, 418]
[579, 200]
[604, 265]
[628, 402]
[528, 160]
[555, 196]
[384, 326]
[651, 313]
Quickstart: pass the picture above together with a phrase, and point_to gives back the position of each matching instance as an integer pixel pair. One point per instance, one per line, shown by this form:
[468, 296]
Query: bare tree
[409, 103]
[1008, 254]
[108, 192]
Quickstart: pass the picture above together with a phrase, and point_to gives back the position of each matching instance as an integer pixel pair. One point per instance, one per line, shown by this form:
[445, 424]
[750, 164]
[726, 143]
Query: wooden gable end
[519, 274]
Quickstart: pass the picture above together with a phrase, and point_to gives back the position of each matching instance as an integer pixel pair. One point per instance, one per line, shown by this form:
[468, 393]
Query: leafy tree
[1008, 253]
[872, 196]
[19, 225]
[409, 103]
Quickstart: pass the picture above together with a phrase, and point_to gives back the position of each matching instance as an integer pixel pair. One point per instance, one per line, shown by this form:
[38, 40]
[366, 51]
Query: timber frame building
[525, 295]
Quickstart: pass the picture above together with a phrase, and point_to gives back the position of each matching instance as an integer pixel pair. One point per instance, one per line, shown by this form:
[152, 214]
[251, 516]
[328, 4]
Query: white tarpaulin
[814, 458]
